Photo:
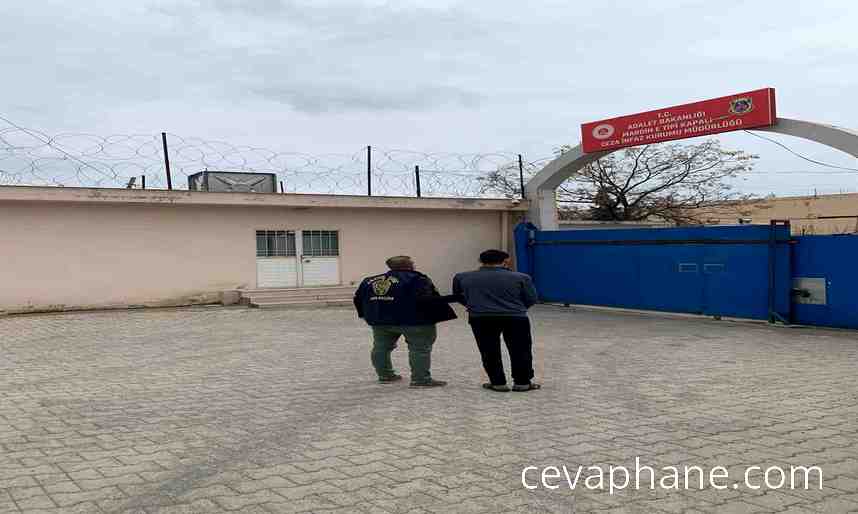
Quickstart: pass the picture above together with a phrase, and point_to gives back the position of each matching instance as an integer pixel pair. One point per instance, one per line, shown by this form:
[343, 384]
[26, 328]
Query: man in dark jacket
[497, 299]
[402, 302]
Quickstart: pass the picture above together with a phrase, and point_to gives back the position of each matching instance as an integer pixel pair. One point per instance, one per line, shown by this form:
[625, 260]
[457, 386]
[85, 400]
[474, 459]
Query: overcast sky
[473, 76]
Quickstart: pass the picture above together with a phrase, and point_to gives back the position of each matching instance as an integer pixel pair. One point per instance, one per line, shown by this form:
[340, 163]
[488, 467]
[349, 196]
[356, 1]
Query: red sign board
[734, 112]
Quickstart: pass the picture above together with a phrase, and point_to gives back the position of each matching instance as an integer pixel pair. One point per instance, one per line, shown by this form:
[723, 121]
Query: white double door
[319, 271]
[276, 271]
[312, 260]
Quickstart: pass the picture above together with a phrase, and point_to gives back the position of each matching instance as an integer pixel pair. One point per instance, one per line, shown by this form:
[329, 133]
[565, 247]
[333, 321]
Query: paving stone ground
[242, 410]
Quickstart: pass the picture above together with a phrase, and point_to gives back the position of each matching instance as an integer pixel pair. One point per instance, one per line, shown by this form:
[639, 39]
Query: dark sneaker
[499, 388]
[431, 383]
[390, 379]
[519, 388]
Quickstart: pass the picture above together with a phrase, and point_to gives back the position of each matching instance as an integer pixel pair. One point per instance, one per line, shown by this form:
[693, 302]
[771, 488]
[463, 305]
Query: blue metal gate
[832, 261]
[741, 271]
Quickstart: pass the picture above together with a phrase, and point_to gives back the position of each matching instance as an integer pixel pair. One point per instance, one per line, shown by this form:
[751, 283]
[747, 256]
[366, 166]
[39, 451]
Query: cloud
[333, 97]
[476, 75]
[323, 57]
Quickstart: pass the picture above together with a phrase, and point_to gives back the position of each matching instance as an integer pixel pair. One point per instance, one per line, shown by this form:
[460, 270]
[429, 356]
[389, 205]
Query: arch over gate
[541, 189]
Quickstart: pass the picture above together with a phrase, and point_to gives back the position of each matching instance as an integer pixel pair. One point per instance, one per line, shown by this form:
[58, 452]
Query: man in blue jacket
[402, 302]
[497, 299]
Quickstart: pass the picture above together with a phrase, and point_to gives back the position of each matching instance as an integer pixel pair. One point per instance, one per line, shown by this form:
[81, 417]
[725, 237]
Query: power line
[755, 172]
[790, 150]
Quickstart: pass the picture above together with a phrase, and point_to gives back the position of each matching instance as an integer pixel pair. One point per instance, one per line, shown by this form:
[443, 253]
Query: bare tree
[673, 182]
[506, 183]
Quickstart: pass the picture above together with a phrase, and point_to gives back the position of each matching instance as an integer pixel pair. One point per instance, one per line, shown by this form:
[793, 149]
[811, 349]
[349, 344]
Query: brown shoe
[431, 383]
[499, 388]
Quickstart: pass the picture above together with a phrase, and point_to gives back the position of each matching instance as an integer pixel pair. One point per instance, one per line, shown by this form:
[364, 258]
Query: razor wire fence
[30, 157]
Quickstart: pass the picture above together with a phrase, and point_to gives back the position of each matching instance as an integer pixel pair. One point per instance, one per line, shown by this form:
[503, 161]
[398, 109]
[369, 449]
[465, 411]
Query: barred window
[321, 243]
[275, 243]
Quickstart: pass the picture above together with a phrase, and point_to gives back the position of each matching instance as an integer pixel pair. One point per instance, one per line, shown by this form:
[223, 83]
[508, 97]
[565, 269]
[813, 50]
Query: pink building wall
[62, 255]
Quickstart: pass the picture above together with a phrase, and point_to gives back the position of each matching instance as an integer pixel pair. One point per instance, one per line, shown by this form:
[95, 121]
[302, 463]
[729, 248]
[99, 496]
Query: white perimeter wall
[89, 255]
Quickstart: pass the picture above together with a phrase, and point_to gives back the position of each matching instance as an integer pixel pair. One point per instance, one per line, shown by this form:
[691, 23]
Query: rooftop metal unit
[233, 182]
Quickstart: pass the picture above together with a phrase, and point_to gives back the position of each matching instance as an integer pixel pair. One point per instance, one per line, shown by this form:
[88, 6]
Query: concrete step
[296, 289]
[303, 294]
[296, 298]
[327, 296]
[301, 304]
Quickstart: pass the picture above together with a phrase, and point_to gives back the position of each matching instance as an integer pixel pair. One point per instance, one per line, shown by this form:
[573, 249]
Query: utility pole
[369, 171]
[167, 160]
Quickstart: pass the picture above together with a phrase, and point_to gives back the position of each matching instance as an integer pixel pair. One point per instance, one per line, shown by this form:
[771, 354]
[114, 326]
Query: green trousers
[419, 338]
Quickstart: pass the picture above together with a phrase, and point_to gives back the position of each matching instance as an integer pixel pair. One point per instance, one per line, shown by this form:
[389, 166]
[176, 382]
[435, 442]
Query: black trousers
[516, 334]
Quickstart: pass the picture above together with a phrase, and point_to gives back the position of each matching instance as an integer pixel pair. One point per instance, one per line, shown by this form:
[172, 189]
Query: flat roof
[91, 195]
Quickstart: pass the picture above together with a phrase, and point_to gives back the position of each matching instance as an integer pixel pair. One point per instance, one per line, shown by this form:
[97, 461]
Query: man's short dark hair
[493, 257]
[399, 262]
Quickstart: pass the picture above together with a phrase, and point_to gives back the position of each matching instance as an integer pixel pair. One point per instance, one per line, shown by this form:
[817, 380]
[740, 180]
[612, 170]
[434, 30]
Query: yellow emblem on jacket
[382, 285]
